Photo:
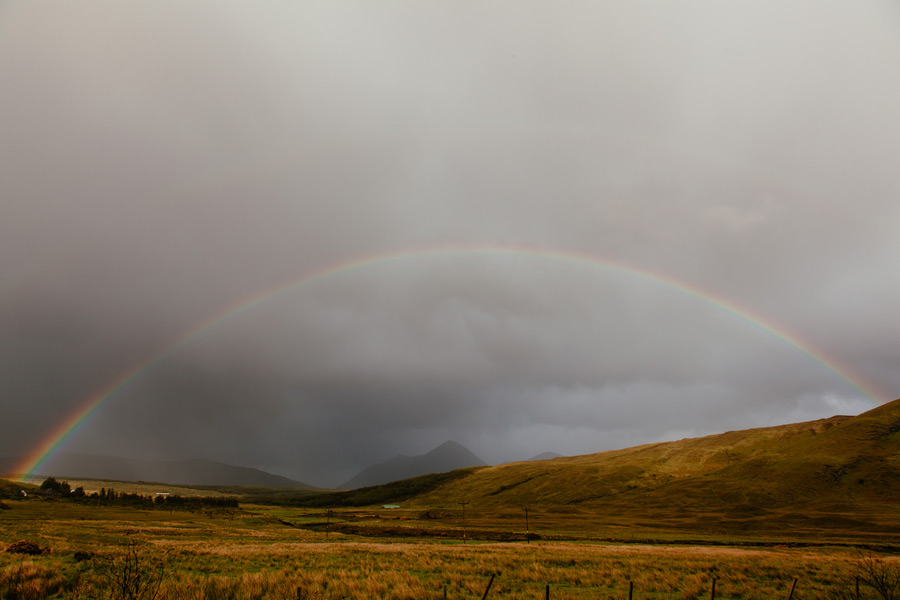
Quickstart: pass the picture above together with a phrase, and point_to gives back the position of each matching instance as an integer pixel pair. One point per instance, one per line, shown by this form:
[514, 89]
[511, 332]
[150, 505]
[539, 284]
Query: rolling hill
[176, 472]
[830, 463]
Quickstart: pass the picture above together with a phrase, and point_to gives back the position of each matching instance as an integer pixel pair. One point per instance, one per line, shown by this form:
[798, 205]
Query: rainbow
[69, 427]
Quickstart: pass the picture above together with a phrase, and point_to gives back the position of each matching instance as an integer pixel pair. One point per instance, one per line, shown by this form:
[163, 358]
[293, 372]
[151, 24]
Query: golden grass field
[277, 552]
[754, 510]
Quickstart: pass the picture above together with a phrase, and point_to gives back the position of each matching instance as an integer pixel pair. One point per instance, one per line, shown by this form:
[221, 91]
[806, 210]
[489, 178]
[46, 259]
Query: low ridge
[176, 472]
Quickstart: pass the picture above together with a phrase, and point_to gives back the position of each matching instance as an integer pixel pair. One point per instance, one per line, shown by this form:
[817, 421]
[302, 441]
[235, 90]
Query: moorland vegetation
[810, 510]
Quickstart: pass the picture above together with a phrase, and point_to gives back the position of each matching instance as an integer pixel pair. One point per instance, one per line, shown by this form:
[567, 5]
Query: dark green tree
[56, 487]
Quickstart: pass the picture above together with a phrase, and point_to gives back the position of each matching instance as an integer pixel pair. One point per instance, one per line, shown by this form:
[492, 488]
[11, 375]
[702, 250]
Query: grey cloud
[161, 163]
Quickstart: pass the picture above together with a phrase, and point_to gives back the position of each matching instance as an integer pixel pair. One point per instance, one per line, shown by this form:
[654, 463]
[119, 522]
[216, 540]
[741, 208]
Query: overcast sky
[163, 161]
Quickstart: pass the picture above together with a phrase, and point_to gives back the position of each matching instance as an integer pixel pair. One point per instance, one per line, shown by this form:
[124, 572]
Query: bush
[881, 576]
[132, 576]
[874, 577]
[26, 547]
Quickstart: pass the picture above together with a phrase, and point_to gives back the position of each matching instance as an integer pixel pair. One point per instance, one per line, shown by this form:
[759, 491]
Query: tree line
[110, 497]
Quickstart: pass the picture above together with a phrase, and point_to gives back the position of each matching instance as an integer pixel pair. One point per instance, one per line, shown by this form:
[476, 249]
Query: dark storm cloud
[163, 162]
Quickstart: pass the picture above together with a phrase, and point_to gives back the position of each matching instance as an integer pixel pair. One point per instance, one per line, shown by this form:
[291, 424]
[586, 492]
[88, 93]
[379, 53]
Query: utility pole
[463, 503]
[527, 536]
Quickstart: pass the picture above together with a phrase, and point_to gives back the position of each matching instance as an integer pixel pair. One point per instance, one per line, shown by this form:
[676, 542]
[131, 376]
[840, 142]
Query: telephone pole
[463, 503]
[527, 536]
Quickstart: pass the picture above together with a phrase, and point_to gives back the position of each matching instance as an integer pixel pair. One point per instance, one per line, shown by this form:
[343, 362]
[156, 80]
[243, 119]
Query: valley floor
[277, 552]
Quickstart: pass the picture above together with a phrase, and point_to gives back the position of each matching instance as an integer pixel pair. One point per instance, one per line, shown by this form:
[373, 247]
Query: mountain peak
[448, 444]
[545, 456]
[448, 456]
[450, 447]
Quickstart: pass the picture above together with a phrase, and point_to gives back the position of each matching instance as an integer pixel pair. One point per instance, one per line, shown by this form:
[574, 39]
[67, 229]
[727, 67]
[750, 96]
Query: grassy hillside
[131, 487]
[835, 462]
[12, 489]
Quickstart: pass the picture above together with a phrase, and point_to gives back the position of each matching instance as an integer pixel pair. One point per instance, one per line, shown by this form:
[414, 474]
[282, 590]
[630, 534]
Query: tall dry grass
[241, 557]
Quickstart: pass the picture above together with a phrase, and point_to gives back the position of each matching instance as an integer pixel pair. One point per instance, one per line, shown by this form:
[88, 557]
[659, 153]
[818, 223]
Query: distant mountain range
[176, 472]
[842, 464]
[446, 457]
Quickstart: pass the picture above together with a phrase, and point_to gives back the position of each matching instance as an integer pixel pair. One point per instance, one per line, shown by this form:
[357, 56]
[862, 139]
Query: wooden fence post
[547, 593]
[488, 588]
[793, 585]
[630, 589]
[712, 596]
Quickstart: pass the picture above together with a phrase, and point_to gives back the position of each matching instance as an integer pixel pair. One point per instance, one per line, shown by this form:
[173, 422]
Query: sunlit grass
[128, 487]
[253, 555]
